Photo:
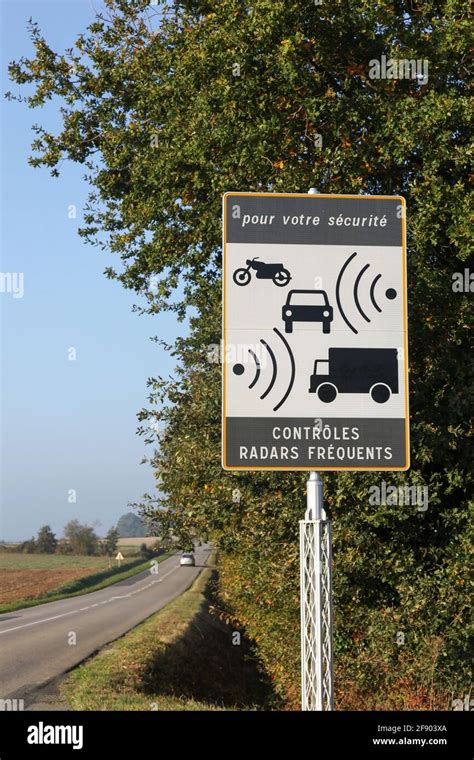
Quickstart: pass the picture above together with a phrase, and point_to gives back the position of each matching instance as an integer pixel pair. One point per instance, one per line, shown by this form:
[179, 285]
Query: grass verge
[181, 658]
[85, 585]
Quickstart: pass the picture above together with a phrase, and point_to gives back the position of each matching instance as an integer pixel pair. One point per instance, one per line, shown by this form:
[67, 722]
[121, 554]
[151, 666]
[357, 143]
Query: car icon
[187, 558]
[307, 306]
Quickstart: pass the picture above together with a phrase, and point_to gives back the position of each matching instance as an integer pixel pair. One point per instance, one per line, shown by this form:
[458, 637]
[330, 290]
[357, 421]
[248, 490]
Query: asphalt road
[36, 644]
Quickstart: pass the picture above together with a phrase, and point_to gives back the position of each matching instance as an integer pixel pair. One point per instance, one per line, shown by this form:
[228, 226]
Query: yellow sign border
[295, 468]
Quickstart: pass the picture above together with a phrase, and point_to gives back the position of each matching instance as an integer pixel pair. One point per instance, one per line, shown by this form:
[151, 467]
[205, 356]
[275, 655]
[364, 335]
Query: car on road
[307, 306]
[187, 558]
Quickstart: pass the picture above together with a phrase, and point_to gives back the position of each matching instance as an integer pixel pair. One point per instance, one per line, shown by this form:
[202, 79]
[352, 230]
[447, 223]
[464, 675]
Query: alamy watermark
[42, 733]
[12, 282]
[237, 354]
[463, 282]
[12, 705]
[463, 704]
[389, 495]
[399, 68]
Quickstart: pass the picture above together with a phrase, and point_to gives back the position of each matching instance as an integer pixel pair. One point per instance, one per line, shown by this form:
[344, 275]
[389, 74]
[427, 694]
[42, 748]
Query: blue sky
[64, 424]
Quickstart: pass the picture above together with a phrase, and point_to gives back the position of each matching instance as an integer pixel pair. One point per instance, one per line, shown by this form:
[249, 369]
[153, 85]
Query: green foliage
[130, 526]
[64, 547]
[82, 539]
[164, 127]
[28, 547]
[111, 542]
[46, 542]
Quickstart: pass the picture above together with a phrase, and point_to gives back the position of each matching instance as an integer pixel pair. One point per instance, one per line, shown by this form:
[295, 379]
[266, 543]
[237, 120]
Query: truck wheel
[380, 393]
[326, 328]
[327, 392]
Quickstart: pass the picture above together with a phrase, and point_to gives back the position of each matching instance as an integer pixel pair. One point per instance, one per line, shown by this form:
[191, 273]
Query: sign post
[315, 363]
[317, 687]
[316, 601]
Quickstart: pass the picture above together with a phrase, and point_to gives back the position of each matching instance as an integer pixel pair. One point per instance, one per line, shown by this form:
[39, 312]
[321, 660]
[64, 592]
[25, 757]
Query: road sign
[315, 350]
[119, 557]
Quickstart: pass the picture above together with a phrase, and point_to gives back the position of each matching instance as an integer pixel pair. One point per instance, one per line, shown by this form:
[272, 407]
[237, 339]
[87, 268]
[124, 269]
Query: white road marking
[37, 622]
[166, 574]
[82, 609]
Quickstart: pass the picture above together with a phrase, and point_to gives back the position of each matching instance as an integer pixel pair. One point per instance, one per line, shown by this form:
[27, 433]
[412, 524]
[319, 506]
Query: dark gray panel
[311, 206]
[374, 436]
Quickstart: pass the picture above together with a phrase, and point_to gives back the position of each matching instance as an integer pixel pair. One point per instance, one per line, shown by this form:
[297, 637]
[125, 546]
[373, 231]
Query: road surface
[37, 643]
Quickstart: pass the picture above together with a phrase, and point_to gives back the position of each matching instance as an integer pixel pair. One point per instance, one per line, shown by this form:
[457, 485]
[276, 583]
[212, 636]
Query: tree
[145, 552]
[111, 542]
[234, 95]
[29, 547]
[46, 542]
[64, 547]
[131, 526]
[81, 538]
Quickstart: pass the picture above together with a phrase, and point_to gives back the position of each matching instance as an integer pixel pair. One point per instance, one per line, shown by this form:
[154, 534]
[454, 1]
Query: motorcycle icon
[275, 272]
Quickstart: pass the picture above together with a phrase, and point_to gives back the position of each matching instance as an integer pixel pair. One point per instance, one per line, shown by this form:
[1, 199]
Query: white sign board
[315, 332]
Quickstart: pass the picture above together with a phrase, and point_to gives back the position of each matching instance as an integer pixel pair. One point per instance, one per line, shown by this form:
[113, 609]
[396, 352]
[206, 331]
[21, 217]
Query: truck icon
[356, 370]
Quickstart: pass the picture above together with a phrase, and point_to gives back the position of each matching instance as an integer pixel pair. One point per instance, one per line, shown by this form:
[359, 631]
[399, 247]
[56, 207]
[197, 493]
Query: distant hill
[131, 526]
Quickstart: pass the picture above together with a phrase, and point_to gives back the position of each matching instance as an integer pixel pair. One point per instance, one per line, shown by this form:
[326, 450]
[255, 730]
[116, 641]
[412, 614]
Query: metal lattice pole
[316, 602]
